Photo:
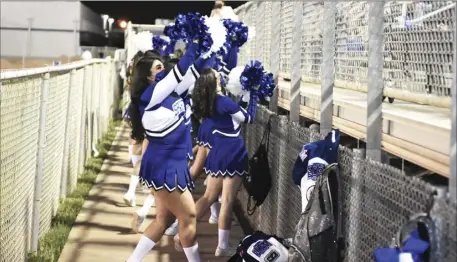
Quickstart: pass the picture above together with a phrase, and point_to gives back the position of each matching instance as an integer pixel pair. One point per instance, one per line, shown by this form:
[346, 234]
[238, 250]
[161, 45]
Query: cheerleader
[164, 163]
[137, 141]
[227, 161]
[201, 149]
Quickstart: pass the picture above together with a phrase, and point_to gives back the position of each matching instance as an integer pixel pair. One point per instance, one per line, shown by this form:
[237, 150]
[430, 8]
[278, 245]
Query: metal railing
[377, 198]
[51, 119]
[417, 47]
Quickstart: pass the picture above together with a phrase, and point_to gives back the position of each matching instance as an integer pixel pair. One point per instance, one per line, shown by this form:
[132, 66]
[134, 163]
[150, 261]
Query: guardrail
[51, 119]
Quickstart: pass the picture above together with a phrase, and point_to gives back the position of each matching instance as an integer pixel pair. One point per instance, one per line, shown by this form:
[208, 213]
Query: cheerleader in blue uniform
[164, 166]
[137, 141]
[187, 81]
[227, 159]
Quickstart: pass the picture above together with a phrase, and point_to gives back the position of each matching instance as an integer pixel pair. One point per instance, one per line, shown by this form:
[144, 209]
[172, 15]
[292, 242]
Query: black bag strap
[266, 134]
[251, 207]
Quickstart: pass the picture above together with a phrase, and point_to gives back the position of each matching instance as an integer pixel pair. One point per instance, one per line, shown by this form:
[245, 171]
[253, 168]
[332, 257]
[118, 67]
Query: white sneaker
[137, 221]
[225, 252]
[214, 220]
[172, 230]
[129, 201]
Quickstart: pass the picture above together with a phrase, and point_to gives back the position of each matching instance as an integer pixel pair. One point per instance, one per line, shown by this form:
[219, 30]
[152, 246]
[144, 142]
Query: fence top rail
[10, 74]
[149, 27]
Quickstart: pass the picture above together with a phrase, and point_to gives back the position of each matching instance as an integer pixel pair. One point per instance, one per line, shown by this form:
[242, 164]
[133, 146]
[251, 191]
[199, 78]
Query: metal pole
[40, 163]
[66, 147]
[328, 72]
[375, 83]
[453, 153]
[356, 200]
[75, 35]
[83, 116]
[27, 46]
[296, 63]
[274, 50]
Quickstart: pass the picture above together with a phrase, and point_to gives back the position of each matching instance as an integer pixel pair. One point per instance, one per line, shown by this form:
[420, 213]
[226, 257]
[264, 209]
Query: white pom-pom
[143, 41]
[228, 13]
[218, 34]
[86, 55]
[233, 83]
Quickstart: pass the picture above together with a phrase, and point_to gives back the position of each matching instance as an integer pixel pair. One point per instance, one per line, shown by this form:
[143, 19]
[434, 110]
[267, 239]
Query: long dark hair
[204, 94]
[141, 72]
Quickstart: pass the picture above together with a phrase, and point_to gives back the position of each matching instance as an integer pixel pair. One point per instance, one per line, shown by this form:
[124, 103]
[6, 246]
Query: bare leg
[230, 188]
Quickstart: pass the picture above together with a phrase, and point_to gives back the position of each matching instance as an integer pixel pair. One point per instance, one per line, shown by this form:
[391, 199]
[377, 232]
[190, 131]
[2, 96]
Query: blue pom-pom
[170, 48]
[237, 33]
[251, 77]
[159, 43]
[189, 27]
[266, 86]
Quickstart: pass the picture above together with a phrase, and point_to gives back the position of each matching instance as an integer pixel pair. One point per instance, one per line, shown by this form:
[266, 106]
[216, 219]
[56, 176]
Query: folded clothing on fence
[312, 161]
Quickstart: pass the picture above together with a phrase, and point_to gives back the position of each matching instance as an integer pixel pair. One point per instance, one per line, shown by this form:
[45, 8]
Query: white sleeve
[188, 80]
[165, 87]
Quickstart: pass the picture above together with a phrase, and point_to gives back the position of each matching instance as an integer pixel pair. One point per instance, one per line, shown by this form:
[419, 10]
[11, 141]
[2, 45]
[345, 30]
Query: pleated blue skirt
[166, 168]
[228, 157]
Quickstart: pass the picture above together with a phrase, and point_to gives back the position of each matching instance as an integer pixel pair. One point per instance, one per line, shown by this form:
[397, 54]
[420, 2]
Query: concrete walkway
[102, 232]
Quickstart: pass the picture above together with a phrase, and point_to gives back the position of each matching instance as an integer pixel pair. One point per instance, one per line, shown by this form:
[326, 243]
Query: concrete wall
[55, 28]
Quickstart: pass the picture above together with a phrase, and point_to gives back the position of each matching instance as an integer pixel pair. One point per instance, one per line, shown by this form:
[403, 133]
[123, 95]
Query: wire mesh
[311, 41]
[285, 48]
[20, 103]
[377, 199]
[59, 84]
[75, 124]
[446, 213]
[418, 42]
[351, 39]
[418, 46]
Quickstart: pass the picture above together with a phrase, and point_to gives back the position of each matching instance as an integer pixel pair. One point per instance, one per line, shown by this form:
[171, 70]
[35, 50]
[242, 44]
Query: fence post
[40, 163]
[375, 83]
[66, 147]
[355, 207]
[328, 72]
[274, 50]
[296, 63]
[82, 126]
[453, 153]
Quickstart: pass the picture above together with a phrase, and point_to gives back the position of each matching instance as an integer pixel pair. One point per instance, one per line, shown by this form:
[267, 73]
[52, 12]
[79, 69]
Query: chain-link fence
[377, 198]
[51, 119]
[418, 43]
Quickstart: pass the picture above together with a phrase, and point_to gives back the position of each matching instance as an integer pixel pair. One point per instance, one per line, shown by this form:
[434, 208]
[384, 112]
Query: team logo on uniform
[261, 247]
[179, 107]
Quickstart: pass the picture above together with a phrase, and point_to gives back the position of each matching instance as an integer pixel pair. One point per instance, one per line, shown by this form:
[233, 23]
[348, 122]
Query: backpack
[261, 247]
[258, 182]
[318, 236]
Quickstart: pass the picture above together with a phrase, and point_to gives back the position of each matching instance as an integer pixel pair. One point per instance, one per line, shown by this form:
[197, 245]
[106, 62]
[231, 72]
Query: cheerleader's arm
[229, 61]
[193, 73]
[168, 84]
[240, 114]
